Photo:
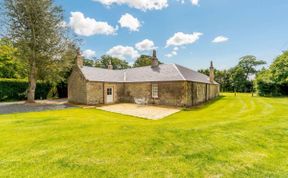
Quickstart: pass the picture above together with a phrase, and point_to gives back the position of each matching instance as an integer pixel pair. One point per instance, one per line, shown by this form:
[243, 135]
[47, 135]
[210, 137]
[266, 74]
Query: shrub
[15, 89]
[274, 81]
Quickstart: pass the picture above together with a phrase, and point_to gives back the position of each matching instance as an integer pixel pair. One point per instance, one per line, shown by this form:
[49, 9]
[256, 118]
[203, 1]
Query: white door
[109, 95]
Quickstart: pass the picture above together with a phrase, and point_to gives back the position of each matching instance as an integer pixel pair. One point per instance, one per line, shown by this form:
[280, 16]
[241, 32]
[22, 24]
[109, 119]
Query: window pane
[109, 91]
[155, 90]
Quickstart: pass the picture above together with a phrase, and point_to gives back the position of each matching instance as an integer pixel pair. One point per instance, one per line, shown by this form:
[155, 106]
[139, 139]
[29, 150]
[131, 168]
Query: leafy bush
[274, 81]
[15, 89]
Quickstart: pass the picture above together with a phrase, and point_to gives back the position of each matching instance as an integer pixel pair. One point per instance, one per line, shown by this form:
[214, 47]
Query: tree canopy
[279, 69]
[248, 64]
[37, 31]
[10, 65]
[274, 80]
[143, 60]
[238, 78]
[117, 63]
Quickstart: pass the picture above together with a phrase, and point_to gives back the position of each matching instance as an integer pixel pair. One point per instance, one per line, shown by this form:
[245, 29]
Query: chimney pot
[79, 59]
[212, 75]
[110, 66]
[155, 62]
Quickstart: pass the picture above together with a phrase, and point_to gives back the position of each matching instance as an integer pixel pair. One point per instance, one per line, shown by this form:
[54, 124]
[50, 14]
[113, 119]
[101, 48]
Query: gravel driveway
[19, 107]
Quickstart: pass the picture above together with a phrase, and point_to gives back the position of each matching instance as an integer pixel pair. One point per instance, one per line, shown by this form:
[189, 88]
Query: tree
[10, 66]
[37, 30]
[205, 71]
[143, 60]
[222, 77]
[279, 69]
[104, 61]
[238, 79]
[274, 81]
[242, 74]
[248, 64]
[265, 84]
[88, 62]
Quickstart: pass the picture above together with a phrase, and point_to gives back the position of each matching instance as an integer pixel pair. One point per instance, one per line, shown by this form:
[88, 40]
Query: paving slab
[143, 111]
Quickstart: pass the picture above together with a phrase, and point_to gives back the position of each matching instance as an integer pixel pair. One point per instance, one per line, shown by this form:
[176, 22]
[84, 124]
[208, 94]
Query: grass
[240, 136]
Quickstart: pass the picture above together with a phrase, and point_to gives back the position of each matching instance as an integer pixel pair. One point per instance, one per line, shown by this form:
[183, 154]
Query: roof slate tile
[164, 72]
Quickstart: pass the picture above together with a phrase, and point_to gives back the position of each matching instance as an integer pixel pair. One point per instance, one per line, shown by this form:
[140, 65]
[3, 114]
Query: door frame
[106, 94]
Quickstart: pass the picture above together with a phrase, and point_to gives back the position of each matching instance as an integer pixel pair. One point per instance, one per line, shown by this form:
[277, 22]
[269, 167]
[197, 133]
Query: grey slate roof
[165, 72]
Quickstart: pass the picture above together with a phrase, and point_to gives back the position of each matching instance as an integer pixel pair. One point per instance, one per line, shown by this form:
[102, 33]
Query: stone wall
[198, 93]
[169, 93]
[135, 90]
[77, 92]
[214, 91]
[201, 92]
[94, 93]
[172, 93]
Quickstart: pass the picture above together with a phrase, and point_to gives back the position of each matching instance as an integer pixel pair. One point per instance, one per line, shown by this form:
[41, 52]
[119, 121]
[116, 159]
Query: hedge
[16, 90]
[272, 89]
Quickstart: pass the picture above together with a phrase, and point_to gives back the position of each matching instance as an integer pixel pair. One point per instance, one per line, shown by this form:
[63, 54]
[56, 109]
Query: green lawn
[240, 136]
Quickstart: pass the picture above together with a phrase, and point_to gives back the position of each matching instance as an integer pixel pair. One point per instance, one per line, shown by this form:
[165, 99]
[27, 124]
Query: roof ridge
[176, 67]
[102, 68]
[185, 67]
[192, 70]
[132, 68]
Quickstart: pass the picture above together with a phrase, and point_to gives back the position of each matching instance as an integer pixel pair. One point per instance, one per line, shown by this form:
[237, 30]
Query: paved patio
[144, 111]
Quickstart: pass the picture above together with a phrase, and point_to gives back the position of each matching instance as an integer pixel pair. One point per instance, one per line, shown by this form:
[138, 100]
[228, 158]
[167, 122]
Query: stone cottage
[160, 84]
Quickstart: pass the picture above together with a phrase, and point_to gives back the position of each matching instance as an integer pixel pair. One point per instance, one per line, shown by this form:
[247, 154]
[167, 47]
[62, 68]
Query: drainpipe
[103, 93]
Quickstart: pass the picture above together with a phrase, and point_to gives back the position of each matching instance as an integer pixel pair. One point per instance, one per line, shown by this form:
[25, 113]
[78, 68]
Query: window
[154, 90]
[109, 91]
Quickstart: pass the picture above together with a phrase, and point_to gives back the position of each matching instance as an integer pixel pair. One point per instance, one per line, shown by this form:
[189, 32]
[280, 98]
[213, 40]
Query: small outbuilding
[159, 84]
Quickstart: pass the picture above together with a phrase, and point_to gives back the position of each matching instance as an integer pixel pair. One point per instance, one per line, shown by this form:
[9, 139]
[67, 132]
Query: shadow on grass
[276, 97]
[204, 105]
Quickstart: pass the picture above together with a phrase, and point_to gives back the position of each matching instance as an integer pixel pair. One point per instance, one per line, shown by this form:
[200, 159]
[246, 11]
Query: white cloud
[123, 52]
[173, 52]
[180, 38]
[89, 53]
[145, 45]
[181, 1]
[86, 26]
[195, 2]
[169, 55]
[220, 39]
[130, 22]
[138, 4]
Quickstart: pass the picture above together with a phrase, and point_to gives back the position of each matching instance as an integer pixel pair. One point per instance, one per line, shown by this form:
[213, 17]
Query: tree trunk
[32, 83]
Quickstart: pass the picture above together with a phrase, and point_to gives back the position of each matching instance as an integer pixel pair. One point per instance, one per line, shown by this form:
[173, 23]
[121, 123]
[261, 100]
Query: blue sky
[256, 27]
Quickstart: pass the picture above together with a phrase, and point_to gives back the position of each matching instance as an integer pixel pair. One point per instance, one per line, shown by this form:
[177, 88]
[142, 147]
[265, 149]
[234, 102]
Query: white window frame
[155, 90]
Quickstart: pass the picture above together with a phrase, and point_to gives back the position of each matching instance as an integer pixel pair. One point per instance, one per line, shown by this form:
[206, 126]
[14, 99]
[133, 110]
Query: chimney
[110, 66]
[79, 60]
[155, 62]
[212, 75]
